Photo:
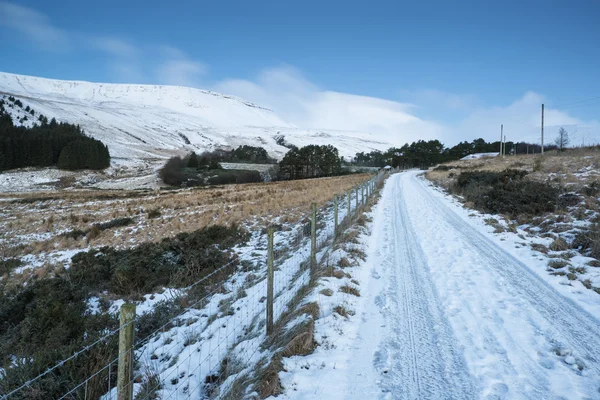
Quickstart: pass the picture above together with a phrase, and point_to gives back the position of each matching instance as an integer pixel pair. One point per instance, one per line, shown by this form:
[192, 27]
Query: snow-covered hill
[143, 122]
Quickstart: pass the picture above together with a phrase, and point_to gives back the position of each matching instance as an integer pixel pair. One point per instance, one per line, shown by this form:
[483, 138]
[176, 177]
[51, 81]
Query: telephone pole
[501, 129]
[542, 129]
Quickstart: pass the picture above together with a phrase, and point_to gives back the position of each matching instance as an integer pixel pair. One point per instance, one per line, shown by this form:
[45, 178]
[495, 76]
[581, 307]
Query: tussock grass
[350, 290]
[558, 245]
[341, 310]
[180, 211]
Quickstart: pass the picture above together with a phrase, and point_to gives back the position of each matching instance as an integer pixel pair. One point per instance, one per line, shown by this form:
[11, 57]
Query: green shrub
[588, 242]
[248, 176]
[506, 193]
[155, 213]
[488, 178]
[521, 197]
[44, 323]
[8, 265]
[114, 223]
[74, 234]
[223, 177]
[174, 262]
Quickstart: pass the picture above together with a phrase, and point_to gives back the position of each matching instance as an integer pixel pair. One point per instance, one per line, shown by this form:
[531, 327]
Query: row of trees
[242, 154]
[49, 144]
[422, 154]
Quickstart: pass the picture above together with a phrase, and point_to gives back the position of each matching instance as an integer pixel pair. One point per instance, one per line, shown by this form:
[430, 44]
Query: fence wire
[219, 334]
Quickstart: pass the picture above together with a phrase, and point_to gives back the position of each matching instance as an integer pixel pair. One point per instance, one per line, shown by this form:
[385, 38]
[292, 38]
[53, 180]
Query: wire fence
[219, 331]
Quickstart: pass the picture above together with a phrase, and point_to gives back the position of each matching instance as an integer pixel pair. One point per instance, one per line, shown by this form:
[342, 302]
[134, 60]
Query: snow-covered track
[449, 314]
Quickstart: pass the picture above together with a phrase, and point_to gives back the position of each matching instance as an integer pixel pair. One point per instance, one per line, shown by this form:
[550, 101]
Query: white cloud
[176, 68]
[304, 104]
[521, 120]
[115, 47]
[181, 72]
[35, 25]
[440, 99]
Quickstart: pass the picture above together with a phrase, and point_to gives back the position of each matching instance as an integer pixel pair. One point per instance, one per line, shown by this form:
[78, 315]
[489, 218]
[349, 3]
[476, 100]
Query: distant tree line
[49, 144]
[423, 154]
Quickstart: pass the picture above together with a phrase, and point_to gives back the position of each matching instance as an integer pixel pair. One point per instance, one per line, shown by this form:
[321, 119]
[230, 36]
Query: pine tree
[193, 161]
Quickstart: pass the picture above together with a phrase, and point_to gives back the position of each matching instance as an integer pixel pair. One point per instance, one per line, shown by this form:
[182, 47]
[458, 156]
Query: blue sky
[459, 68]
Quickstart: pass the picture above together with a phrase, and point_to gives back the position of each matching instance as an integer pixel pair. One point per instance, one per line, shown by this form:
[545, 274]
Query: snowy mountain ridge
[146, 122]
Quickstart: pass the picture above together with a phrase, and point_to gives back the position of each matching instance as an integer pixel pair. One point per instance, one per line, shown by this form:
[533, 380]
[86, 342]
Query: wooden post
[542, 129]
[501, 136]
[125, 366]
[270, 279]
[349, 206]
[356, 190]
[313, 241]
[362, 194]
[335, 216]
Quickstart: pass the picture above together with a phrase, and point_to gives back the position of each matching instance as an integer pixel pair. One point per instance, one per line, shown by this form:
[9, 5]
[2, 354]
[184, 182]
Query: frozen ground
[449, 310]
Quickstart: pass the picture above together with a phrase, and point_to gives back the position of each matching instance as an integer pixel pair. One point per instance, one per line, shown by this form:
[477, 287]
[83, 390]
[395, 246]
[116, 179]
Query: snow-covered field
[140, 122]
[449, 310]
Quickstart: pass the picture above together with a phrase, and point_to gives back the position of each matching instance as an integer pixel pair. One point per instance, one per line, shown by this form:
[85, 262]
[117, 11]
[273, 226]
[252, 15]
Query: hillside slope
[145, 122]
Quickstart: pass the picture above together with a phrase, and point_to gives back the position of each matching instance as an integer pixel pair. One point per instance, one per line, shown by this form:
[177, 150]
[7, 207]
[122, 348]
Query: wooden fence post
[125, 364]
[313, 241]
[362, 194]
[270, 279]
[335, 216]
[349, 206]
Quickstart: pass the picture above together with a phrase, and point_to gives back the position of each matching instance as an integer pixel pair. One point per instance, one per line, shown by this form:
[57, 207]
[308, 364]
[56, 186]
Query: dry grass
[32, 223]
[350, 290]
[558, 245]
[568, 165]
[341, 310]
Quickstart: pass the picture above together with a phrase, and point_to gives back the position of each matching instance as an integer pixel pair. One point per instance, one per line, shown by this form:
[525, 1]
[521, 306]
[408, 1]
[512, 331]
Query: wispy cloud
[176, 68]
[115, 47]
[304, 104]
[36, 26]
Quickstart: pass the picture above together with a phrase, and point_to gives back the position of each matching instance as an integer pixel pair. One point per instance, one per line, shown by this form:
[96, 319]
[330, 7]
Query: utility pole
[501, 127]
[542, 129]
[503, 154]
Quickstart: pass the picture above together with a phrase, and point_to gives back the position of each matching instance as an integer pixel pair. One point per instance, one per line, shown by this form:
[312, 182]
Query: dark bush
[520, 197]
[154, 213]
[44, 323]
[488, 178]
[569, 200]
[592, 190]
[247, 176]
[6, 266]
[162, 312]
[115, 223]
[174, 262]
[223, 178]
[74, 234]
[172, 173]
[506, 193]
[588, 242]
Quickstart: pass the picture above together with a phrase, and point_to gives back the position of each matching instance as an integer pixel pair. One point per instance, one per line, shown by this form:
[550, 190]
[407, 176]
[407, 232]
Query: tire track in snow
[518, 320]
[418, 358]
